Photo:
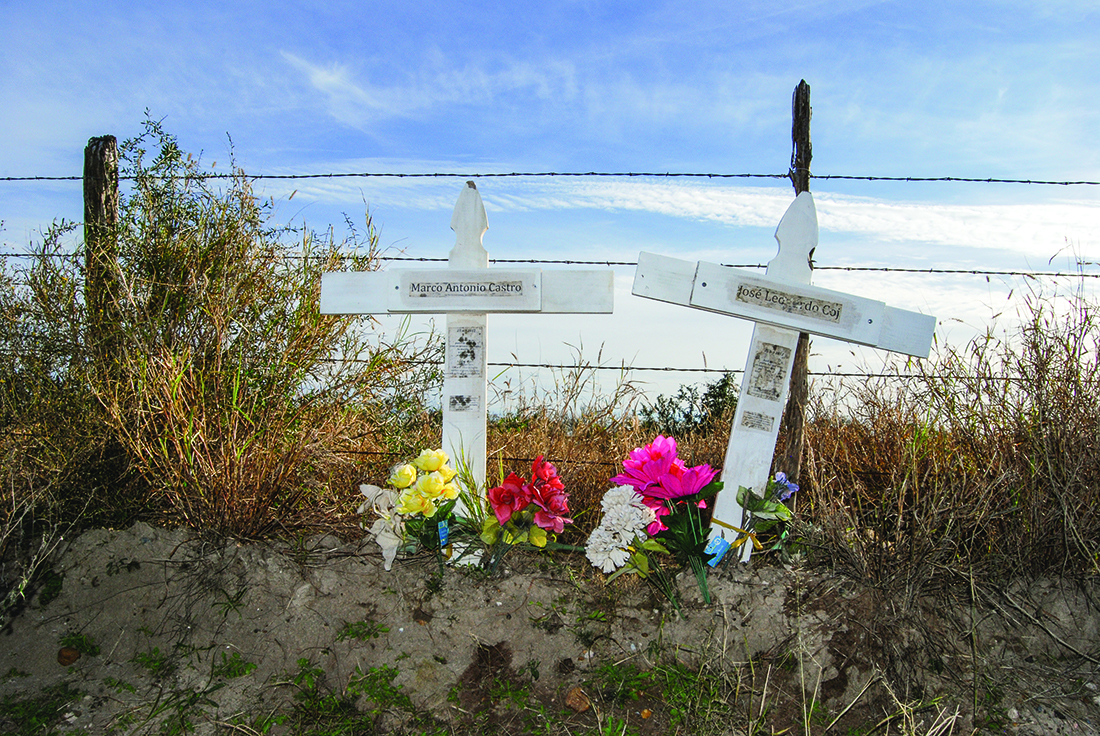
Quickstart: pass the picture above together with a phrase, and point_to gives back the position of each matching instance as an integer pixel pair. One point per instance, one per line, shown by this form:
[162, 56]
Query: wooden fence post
[100, 245]
[794, 418]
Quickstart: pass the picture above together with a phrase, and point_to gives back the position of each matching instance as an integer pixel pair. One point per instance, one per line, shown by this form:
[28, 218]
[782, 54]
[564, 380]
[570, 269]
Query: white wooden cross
[782, 304]
[466, 291]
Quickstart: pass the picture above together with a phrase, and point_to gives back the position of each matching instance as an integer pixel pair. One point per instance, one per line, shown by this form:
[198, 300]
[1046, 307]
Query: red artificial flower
[508, 498]
[547, 492]
[543, 472]
[553, 506]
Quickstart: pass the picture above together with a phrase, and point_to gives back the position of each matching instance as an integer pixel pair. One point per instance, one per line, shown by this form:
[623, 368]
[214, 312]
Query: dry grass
[988, 464]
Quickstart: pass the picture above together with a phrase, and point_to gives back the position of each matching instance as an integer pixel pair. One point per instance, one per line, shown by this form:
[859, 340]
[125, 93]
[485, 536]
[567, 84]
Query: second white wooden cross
[466, 291]
[782, 304]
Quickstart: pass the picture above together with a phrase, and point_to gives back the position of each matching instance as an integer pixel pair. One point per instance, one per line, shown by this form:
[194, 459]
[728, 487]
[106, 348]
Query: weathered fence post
[794, 418]
[100, 244]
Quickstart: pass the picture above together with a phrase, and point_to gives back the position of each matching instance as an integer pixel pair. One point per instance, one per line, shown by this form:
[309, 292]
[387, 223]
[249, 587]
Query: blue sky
[976, 89]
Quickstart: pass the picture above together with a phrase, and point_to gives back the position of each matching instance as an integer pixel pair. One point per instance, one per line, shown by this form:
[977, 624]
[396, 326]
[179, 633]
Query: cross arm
[801, 307]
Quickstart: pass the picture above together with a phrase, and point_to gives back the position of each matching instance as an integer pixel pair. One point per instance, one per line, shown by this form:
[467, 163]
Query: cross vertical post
[767, 377]
[465, 383]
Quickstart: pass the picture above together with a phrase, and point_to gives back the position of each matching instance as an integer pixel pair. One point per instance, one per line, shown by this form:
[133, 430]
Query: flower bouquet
[673, 496]
[417, 507]
[766, 512]
[531, 512]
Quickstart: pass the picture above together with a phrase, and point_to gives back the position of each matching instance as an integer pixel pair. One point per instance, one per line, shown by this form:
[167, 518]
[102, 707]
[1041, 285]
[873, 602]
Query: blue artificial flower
[789, 488]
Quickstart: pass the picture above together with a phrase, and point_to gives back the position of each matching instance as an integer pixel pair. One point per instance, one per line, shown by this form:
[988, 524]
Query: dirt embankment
[135, 628]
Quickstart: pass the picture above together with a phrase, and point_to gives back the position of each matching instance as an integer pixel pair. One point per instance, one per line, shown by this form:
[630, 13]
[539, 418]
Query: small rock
[67, 656]
[577, 700]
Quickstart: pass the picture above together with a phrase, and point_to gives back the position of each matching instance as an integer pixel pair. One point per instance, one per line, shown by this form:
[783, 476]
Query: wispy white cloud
[1036, 230]
[355, 100]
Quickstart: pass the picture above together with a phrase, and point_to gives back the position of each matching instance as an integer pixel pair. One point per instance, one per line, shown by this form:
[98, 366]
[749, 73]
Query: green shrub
[691, 411]
[209, 390]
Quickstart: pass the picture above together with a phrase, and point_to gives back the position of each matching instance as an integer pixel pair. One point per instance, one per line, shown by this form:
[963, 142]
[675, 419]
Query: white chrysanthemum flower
[627, 521]
[625, 514]
[604, 551]
[620, 496]
[625, 518]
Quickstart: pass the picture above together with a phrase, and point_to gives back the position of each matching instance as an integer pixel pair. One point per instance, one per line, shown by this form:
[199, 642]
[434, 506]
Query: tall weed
[988, 465]
[52, 447]
[224, 399]
[223, 390]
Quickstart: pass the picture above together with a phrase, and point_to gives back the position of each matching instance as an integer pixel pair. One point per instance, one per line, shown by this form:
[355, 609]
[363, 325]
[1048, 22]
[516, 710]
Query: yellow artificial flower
[447, 472]
[431, 460]
[413, 502]
[450, 491]
[402, 476]
[430, 485]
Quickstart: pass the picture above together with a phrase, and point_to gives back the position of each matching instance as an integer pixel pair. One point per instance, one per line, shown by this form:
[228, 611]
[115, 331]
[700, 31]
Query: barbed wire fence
[1080, 273]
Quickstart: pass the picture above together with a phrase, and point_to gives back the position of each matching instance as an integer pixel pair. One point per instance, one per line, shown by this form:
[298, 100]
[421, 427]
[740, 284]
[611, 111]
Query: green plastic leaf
[490, 530]
[746, 499]
[772, 511]
[710, 489]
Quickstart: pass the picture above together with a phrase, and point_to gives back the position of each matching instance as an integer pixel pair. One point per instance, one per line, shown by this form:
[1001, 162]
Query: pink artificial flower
[508, 498]
[547, 492]
[681, 482]
[553, 506]
[659, 510]
[645, 466]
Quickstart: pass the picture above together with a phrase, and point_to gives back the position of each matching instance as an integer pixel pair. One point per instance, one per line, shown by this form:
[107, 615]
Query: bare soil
[167, 626]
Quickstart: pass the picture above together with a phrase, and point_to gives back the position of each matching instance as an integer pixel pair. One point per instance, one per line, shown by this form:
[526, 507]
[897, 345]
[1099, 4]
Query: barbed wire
[975, 180]
[406, 365]
[578, 174]
[673, 369]
[556, 461]
[609, 264]
[432, 175]
[886, 269]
